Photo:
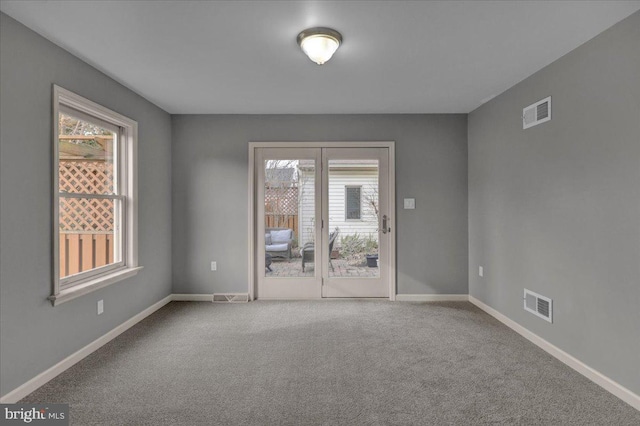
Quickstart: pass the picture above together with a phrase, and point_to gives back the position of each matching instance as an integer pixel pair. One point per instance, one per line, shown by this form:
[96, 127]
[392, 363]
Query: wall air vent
[230, 297]
[536, 113]
[538, 305]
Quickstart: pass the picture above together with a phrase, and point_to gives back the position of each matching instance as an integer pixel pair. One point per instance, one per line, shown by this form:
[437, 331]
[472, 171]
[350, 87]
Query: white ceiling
[241, 57]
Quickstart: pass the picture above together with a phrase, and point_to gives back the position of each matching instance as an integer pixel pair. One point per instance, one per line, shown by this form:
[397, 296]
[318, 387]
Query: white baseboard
[595, 376]
[432, 297]
[42, 378]
[192, 297]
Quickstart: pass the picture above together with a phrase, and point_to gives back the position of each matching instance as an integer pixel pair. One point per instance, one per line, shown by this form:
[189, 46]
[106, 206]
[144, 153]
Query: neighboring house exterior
[353, 199]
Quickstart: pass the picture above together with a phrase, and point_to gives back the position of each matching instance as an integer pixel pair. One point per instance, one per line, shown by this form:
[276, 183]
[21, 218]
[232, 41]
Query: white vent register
[538, 305]
[536, 113]
[231, 297]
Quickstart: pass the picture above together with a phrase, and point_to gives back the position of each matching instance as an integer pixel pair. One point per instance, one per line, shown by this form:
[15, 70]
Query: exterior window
[353, 202]
[95, 218]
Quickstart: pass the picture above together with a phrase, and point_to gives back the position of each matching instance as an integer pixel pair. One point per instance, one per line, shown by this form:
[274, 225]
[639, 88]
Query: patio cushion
[281, 236]
[267, 239]
[277, 247]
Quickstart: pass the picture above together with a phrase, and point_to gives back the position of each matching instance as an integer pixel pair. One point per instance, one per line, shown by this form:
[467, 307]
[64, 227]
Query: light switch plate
[100, 306]
[409, 203]
[214, 266]
[481, 271]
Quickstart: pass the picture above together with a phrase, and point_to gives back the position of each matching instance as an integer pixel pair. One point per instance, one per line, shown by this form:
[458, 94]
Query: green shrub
[356, 244]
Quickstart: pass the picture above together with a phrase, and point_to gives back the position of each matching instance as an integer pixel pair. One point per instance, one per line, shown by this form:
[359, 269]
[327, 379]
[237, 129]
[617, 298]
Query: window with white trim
[94, 209]
[353, 202]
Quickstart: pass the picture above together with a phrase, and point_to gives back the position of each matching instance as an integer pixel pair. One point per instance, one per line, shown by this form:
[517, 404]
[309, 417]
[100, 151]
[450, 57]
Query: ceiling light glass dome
[319, 43]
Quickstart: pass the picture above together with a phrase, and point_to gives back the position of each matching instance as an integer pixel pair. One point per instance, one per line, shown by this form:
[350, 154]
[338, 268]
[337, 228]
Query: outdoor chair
[308, 251]
[278, 242]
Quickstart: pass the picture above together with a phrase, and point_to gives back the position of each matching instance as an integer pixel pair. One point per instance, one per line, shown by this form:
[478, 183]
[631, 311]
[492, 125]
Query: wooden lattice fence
[281, 208]
[281, 221]
[86, 224]
[82, 252]
[86, 214]
[282, 201]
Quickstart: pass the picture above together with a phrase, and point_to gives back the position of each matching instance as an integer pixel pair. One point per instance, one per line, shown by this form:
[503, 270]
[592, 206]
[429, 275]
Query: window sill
[93, 285]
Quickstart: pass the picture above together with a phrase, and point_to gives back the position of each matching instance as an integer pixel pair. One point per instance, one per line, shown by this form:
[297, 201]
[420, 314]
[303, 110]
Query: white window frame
[68, 288]
[346, 203]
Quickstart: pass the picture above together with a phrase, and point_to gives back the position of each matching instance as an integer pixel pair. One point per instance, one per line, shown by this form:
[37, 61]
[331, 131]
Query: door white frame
[253, 146]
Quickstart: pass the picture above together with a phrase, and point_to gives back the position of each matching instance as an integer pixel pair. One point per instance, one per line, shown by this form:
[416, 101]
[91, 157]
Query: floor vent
[538, 305]
[536, 113]
[231, 297]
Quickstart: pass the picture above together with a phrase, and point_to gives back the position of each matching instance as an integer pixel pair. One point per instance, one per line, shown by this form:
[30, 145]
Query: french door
[323, 222]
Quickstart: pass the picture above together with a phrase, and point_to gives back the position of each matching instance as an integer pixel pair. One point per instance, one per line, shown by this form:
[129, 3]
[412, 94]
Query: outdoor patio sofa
[278, 242]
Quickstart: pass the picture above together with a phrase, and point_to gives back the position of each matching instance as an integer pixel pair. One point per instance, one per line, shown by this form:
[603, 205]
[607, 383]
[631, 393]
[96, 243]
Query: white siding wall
[306, 209]
[338, 180]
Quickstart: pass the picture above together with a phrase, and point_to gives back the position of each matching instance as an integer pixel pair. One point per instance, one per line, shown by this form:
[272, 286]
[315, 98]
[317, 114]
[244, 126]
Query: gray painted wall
[556, 208]
[34, 335]
[210, 185]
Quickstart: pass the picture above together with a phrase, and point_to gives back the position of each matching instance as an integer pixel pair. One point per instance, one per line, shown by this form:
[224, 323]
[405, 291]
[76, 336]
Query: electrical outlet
[481, 271]
[214, 266]
[100, 306]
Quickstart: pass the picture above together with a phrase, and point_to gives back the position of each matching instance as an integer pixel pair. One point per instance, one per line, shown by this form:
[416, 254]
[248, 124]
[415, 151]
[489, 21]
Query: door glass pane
[353, 218]
[289, 218]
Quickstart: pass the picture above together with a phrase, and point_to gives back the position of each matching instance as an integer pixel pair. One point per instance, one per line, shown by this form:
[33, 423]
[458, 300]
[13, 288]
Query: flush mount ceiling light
[319, 43]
